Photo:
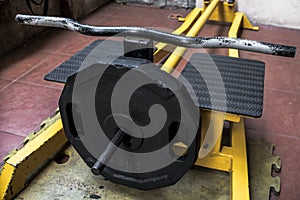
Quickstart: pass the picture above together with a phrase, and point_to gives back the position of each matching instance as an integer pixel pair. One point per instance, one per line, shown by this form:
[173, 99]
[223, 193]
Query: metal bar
[183, 41]
[105, 157]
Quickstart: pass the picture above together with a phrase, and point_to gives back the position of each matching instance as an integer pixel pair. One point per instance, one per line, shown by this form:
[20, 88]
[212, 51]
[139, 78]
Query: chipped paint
[189, 42]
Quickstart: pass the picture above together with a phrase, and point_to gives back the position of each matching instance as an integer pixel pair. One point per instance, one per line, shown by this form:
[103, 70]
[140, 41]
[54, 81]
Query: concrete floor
[73, 180]
[26, 99]
[68, 178]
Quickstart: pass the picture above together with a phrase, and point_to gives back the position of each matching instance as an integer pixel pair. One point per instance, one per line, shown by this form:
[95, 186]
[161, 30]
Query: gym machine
[197, 100]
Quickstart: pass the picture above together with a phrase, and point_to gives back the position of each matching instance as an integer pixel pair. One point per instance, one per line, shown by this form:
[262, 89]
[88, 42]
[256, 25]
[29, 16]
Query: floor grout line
[282, 90]
[15, 134]
[40, 85]
[12, 82]
[22, 75]
[273, 133]
[28, 71]
[6, 79]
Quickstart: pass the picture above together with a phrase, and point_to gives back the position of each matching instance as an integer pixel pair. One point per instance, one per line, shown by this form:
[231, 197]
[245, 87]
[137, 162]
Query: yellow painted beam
[217, 162]
[224, 13]
[233, 32]
[175, 57]
[240, 181]
[162, 48]
[19, 167]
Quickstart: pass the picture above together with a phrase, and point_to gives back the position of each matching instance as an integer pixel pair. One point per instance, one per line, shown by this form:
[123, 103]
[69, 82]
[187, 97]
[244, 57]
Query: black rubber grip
[283, 50]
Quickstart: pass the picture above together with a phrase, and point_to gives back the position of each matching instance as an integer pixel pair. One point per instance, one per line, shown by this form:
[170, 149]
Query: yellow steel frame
[38, 148]
[18, 168]
[175, 57]
[163, 48]
[231, 159]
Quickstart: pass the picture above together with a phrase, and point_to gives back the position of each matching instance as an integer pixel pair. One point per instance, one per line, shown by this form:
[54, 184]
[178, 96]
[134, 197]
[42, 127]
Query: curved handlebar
[178, 40]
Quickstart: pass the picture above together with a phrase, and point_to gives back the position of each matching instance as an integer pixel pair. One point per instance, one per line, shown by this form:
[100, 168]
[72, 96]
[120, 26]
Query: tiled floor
[26, 99]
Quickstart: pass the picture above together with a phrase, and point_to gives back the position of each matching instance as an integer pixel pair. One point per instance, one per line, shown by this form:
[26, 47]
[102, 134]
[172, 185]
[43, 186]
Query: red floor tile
[23, 107]
[52, 41]
[283, 75]
[109, 9]
[288, 149]
[214, 29]
[166, 25]
[280, 115]
[74, 44]
[19, 62]
[36, 76]
[8, 142]
[4, 83]
[146, 12]
[119, 21]
[99, 15]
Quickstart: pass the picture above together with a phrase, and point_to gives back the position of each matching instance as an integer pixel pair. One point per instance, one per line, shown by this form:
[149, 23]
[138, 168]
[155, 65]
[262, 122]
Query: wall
[13, 34]
[79, 8]
[285, 13]
[162, 3]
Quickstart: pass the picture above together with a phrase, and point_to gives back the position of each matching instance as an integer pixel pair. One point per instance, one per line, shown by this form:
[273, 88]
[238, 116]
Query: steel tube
[105, 157]
[183, 41]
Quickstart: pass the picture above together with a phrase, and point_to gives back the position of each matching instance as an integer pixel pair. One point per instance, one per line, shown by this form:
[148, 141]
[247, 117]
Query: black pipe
[104, 158]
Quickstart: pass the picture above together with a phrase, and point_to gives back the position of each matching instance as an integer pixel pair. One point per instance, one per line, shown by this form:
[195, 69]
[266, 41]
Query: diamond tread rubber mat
[218, 79]
[221, 83]
[97, 50]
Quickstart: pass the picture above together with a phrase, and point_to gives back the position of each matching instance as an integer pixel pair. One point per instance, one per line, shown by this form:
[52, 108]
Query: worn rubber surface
[241, 79]
[97, 50]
